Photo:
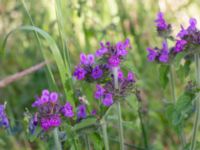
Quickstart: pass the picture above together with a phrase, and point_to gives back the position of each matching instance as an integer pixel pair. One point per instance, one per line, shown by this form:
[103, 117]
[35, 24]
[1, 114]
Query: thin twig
[10, 79]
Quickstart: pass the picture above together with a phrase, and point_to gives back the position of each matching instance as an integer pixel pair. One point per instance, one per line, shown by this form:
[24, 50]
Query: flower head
[68, 110]
[160, 22]
[3, 118]
[108, 100]
[152, 54]
[114, 61]
[80, 73]
[180, 45]
[97, 72]
[81, 112]
[99, 92]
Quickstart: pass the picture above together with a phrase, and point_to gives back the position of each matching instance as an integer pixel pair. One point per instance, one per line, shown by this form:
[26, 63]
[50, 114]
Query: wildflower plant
[185, 47]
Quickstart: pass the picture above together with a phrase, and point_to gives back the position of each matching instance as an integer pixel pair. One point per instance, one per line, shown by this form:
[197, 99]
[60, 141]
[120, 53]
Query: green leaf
[55, 53]
[85, 123]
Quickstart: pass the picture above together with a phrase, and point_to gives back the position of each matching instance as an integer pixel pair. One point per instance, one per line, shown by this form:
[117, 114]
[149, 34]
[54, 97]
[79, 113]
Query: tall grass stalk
[197, 105]
[121, 134]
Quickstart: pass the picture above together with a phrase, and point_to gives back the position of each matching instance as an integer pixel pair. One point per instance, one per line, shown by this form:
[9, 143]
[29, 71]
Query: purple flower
[94, 112]
[47, 123]
[160, 22]
[120, 74]
[44, 99]
[164, 57]
[45, 92]
[121, 49]
[152, 54]
[3, 118]
[90, 58]
[193, 23]
[182, 33]
[100, 52]
[114, 61]
[180, 45]
[81, 112]
[68, 110]
[80, 73]
[53, 97]
[108, 100]
[97, 72]
[127, 43]
[83, 59]
[131, 77]
[99, 92]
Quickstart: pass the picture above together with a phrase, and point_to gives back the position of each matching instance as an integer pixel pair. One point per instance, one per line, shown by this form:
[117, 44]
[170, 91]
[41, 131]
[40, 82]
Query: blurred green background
[85, 24]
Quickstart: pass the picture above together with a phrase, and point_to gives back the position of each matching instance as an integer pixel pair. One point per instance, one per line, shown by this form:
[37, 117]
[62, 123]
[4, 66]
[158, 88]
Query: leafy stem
[197, 103]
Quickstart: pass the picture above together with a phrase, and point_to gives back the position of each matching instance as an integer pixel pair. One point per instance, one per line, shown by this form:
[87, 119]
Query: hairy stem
[121, 134]
[172, 83]
[87, 142]
[197, 105]
[105, 135]
[173, 95]
[58, 145]
[116, 85]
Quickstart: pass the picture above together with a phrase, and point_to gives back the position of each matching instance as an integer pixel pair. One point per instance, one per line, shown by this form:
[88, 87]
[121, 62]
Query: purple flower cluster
[161, 24]
[3, 117]
[50, 110]
[107, 92]
[113, 54]
[161, 55]
[186, 38]
[88, 69]
[100, 67]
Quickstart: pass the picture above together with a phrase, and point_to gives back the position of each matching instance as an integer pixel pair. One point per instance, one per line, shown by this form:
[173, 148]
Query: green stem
[116, 85]
[173, 95]
[143, 128]
[87, 142]
[105, 135]
[121, 137]
[58, 145]
[172, 83]
[196, 122]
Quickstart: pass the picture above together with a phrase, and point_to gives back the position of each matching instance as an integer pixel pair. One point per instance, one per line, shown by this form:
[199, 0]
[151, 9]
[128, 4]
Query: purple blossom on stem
[80, 73]
[160, 22]
[108, 100]
[121, 49]
[152, 54]
[68, 110]
[86, 59]
[182, 33]
[81, 112]
[94, 112]
[100, 52]
[53, 121]
[99, 92]
[3, 118]
[131, 77]
[53, 97]
[120, 75]
[164, 56]
[97, 72]
[114, 61]
[180, 45]
[193, 23]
